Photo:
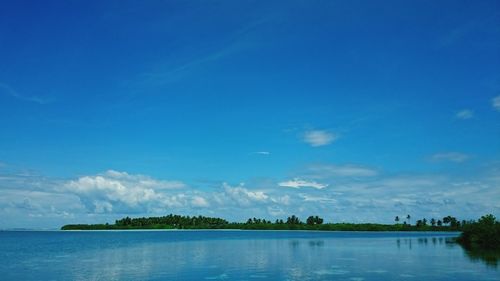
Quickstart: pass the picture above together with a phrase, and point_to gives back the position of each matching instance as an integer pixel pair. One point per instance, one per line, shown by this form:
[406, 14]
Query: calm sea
[237, 255]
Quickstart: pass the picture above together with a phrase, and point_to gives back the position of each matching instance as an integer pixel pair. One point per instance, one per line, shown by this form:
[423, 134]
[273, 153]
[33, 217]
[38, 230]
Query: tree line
[292, 222]
[447, 222]
[175, 221]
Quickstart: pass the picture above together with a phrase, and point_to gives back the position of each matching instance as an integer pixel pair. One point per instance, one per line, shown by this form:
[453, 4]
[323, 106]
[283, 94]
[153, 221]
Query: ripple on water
[222, 276]
[379, 271]
[347, 259]
[258, 276]
[331, 272]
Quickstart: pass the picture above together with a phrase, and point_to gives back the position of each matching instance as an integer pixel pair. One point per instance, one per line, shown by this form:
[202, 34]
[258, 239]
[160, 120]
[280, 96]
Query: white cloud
[243, 196]
[103, 191]
[465, 114]
[144, 181]
[324, 171]
[284, 200]
[319, 138]
[275, 211]
[179, 200]
[496, 103]
[199, 201]
[456, 157]
[103, 207]
[298, 183]
[263, 152]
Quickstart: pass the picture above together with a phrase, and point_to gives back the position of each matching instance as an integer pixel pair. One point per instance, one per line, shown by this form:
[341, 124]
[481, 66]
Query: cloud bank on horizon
[350, 112]
[345, 196]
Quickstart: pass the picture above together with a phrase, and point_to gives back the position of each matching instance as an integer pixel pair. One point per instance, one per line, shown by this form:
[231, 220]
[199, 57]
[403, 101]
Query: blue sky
[351, 110]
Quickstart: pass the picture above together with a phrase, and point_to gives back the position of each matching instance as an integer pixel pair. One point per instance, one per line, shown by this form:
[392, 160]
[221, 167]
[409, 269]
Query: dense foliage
[175, 221]
[485, 233]
[165, 222]
[291, 223]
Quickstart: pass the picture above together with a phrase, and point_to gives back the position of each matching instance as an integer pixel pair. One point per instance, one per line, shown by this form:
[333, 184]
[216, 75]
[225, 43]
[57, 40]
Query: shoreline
[237, 230]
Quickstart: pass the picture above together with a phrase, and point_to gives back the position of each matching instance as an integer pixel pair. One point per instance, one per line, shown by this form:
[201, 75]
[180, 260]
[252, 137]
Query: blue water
[236, 255]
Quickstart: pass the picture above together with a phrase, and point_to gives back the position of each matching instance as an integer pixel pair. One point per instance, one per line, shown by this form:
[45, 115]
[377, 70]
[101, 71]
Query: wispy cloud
[298, 183]
[456, 157]
[317, 138]
[465, 114]
[457, 34]
[235, 42]
[327, 171]
[177, 72]
[262, 153]
[9, 91]
[320, 199]
[495, 102]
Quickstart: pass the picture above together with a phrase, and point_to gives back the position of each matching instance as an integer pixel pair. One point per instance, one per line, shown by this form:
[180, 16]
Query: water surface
[236, 255]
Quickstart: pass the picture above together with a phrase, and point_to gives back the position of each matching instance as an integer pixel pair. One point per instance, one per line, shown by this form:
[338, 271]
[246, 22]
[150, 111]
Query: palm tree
[419, 223]
[310, 220]
[397, 219]
[408, 217]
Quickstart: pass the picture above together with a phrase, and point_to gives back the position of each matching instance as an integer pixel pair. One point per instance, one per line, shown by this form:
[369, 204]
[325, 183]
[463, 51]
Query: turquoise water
[236, 255]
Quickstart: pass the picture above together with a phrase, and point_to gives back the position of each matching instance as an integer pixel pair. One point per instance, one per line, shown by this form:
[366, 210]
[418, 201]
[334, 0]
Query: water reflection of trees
[316, 243]
[311, 243]
[407, 242]
[489, 257]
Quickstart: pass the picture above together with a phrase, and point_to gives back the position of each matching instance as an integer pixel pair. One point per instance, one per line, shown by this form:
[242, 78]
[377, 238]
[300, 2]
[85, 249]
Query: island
[293, 222]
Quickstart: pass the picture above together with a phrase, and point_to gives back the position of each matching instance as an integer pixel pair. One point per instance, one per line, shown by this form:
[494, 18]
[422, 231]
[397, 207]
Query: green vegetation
[483, 234]
[291, 223]
[166, 222]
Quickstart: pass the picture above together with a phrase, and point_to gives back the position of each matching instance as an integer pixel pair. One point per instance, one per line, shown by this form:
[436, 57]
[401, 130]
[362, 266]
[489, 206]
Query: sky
[356, 111]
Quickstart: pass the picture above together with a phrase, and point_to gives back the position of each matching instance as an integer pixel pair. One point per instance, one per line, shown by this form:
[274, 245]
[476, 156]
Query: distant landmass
[291, 223]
